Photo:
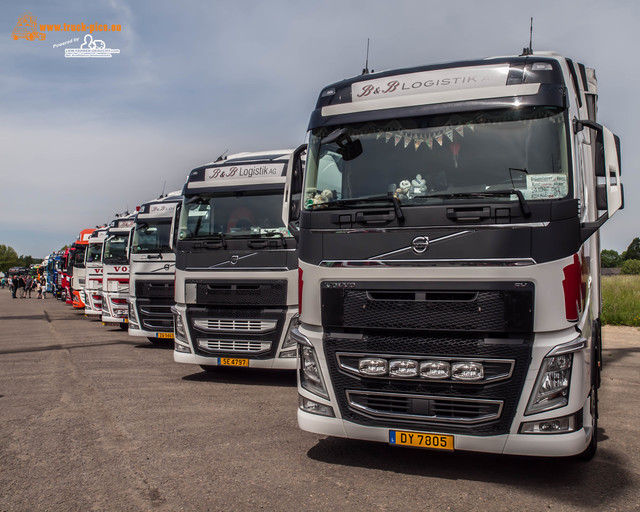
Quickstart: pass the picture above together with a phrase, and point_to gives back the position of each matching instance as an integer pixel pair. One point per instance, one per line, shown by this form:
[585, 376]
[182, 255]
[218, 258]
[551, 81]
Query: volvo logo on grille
[234, 259]
[420, 244]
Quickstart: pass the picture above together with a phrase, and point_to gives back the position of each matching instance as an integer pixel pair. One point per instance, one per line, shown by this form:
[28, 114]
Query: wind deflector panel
[242, 293]
[490, 307]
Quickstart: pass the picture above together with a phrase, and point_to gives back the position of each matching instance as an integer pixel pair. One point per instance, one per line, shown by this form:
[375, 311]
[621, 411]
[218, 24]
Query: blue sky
[83, 139]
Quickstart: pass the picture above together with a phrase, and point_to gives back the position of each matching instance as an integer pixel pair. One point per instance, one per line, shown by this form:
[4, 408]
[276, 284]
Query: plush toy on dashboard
[403, 189]
[327, 195]
[418, 186]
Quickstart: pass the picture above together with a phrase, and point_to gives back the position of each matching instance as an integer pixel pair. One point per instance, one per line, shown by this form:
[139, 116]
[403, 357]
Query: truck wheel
[591, 449]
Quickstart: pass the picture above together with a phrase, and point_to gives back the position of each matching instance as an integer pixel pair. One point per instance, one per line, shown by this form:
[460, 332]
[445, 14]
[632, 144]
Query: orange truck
[79, 276]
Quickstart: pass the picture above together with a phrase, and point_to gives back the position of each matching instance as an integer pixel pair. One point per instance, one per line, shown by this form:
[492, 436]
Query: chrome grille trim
[234, 325]
[399, 401]
[236, 346]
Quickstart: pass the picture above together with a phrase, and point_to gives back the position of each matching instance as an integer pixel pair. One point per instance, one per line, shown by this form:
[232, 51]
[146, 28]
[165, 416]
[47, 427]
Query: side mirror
[607, 165]
[293, 191]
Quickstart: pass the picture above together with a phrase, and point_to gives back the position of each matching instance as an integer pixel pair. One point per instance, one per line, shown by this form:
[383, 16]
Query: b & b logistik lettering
[243, 172]
[396, 85]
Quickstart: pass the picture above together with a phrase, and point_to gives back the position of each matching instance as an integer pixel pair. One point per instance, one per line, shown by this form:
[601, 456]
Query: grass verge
[621, 300]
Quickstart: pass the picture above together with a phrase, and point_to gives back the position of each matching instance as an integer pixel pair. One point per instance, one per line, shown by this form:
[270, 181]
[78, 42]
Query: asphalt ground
[94, 420]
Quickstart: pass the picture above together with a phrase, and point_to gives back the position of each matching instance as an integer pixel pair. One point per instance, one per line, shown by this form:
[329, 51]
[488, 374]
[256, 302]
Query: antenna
[529, 50]
[222, 157]
[366, 71]
[163, 186]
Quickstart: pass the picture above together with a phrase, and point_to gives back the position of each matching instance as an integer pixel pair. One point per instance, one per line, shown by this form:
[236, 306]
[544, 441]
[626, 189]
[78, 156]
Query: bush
[610, 259]
[630, 267]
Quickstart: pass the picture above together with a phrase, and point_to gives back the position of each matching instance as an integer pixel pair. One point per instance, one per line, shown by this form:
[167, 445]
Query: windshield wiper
[278, 234]
[369, 199]
[526, 211]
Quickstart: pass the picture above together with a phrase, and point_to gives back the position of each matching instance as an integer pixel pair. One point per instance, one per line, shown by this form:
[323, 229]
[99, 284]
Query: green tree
[633, 251]
[630, 267]
[8, 258]
[610, 259]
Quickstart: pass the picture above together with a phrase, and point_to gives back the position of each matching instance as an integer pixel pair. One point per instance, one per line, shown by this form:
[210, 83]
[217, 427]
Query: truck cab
[115, 272]
[78, 281]
[236, 288]
[449, 257]
[152, 272]
[94, 269]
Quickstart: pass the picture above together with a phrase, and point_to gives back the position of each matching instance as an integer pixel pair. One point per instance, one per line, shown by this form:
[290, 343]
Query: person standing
[22, 291]
[14, 286]
[28, 286]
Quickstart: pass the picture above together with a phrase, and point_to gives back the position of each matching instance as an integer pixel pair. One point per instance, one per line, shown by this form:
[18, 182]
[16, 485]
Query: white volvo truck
[115, 272]
[152, 269]
[449, 257]
[93, 262]
[237, 264]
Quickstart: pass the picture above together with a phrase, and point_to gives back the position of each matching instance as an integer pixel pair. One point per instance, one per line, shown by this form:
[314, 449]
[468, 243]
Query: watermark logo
[27, 28]
[91, 48]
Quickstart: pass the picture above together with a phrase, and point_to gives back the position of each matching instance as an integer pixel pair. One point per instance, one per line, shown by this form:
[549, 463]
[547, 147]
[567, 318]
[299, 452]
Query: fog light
[181, 348]
[372, 366]
[435, 370]
[289, 353]
[551, 426]
[314, 407]
[403, 368]
[467, 371]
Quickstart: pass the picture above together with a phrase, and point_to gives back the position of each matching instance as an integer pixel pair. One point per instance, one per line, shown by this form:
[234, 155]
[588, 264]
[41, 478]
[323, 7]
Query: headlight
[551, 390]
[310, 373]
[178, 325]
[133, 317]
[289, 342]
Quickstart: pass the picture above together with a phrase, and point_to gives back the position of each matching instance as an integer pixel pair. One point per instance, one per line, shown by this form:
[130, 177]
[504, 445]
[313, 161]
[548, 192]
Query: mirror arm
[579, 124]
[589, 228]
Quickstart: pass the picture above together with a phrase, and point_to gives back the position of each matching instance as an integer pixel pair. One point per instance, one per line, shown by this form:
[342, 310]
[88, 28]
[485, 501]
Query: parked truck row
[428, 262]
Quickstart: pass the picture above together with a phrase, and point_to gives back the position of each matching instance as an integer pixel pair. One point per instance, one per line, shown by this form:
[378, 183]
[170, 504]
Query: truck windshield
[115, 249]
[94, 254]
[152, 236]
[255, 214]
[78, 256]
[425, 159]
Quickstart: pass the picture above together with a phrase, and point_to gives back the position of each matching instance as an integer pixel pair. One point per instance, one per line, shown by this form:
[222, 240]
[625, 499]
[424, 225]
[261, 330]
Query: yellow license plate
[165, 335]
[421, 440]
[232, 361]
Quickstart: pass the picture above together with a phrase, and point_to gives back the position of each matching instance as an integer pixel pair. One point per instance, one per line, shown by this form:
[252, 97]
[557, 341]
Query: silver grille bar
[238, 346]
[234, 325]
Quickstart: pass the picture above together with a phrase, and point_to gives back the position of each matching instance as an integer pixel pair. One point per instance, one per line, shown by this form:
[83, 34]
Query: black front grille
[483, 307]
[430, 404]
[242, 293]
[155, 314]
[155, 289]
[273, 336]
